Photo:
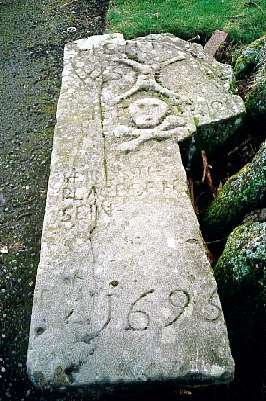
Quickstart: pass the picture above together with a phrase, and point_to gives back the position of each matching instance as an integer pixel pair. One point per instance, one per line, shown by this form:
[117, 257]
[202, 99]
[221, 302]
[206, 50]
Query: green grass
[244, 20]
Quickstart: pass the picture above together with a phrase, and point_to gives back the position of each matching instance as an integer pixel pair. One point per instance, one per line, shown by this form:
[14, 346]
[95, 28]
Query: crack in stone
[94, 222]
[71, 370]
[102, 129]
[87, 338]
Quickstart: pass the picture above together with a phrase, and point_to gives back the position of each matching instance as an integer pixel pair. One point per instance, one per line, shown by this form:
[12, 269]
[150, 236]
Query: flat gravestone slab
[124, 290]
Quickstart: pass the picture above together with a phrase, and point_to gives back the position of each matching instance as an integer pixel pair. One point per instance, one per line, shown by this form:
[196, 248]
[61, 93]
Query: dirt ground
[32, 37]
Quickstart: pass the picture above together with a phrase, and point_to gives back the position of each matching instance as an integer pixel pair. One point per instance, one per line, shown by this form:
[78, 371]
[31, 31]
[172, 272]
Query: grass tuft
[244, 20]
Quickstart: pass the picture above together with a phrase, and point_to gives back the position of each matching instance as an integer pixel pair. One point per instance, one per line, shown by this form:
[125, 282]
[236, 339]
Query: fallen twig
[197, 37]
[242, 145]
[23, 215]
[207, 174]
[192, 194]
[69, 3]
[216, 241]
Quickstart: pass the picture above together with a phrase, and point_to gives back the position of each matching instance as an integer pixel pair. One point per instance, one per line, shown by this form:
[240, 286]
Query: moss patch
[248, 59]
[256, 98]
[240, 275]
[250, 67]
[244, 258]
[242, 193]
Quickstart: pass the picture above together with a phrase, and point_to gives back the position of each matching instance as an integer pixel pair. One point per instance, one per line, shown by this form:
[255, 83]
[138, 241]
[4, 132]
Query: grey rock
[241, 267]
[250, 58]
[240, 274]
[250, 64]
[242, 193]
[258, 215]
[125, 292]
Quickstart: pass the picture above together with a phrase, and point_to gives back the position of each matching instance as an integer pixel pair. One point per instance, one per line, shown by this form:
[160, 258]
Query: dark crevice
[71, 370]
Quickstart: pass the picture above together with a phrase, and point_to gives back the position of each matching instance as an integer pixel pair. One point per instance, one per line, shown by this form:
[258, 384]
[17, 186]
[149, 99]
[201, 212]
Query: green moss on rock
[242, 193]
[244, 257]
[256, 98]
[251, 64]
[240, 275]
[249, 58]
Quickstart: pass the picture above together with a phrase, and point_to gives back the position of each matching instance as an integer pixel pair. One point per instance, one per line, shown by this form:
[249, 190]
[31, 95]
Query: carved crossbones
[147, 114]
[146, 79]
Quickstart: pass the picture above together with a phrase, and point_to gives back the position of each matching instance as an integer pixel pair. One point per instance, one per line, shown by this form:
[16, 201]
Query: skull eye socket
[142, 106]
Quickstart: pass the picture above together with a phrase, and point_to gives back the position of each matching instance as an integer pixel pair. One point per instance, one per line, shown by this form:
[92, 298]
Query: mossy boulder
[240, 275]
[242, 193]
[256, 97]
[250, 64]
[248, 60]
[243, 261]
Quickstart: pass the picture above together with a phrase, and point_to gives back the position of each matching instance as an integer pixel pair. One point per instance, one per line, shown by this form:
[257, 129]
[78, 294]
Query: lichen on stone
[249, 58]
[256, 97]
[250, 64]
[242, 264]
[240, 276]
[242, 193]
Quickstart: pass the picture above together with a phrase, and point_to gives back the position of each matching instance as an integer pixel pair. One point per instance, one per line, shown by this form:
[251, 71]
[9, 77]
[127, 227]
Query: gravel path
[32, 37]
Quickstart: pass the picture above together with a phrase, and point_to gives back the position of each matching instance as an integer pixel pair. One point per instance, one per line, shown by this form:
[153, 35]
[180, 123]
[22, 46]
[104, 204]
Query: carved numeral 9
[179, 299]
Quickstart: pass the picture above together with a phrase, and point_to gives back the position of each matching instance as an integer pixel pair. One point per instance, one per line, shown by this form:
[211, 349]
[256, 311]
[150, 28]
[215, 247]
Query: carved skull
[147, 112]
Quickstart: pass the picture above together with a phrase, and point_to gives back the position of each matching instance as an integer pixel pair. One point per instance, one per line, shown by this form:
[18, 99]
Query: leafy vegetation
[244, 20]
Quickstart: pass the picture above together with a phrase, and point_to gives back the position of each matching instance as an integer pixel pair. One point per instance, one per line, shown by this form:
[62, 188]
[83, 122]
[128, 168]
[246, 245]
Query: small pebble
[71, 29]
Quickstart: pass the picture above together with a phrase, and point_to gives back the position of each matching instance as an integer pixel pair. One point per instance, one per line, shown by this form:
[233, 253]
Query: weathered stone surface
[215, 42]
[124, 290]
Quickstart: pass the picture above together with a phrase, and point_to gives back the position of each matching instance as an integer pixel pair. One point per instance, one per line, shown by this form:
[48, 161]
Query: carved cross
[147, 74]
